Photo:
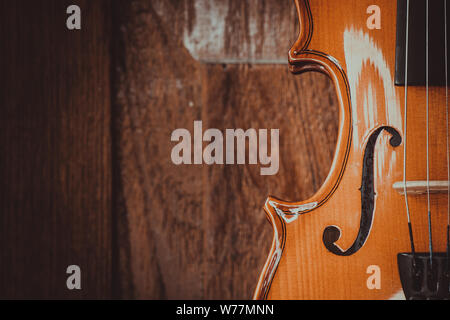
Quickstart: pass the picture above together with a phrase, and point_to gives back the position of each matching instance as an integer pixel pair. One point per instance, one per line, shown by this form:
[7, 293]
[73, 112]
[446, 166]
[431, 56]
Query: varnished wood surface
[307, 270]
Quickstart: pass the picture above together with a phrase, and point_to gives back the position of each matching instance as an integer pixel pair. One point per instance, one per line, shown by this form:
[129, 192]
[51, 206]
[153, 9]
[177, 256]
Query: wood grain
[85, 124]
[55, 148]
[361, 63]
[199, 231]
[252, 31]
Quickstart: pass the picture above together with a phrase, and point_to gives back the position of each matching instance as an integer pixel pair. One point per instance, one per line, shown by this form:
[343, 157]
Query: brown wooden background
[85, 124]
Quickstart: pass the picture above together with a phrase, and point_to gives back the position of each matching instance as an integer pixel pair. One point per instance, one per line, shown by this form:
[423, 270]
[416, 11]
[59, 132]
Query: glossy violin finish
[351, 231]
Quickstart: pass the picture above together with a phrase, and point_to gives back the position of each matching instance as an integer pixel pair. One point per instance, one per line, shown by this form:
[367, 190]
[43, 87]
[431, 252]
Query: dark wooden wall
[85, 124]
[55, 150]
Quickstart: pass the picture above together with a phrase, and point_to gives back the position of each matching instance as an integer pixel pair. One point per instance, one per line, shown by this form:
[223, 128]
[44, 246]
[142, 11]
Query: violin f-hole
[332, 233]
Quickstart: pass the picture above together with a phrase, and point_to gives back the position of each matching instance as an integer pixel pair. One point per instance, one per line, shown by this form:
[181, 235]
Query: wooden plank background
[86, 121]
[55, 150]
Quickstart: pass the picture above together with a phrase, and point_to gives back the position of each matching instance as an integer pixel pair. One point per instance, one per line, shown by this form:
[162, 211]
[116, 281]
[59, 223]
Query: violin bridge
[421, 187]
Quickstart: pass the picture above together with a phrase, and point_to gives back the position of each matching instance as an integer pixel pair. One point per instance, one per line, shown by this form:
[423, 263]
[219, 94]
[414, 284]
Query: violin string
[428, 136]
[405, 190]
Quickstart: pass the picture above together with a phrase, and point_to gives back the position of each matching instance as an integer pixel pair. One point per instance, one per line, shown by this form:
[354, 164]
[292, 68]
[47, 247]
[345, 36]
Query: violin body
[343, 242]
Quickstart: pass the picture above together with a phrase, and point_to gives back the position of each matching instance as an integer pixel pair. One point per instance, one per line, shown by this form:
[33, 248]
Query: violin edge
[302, 59]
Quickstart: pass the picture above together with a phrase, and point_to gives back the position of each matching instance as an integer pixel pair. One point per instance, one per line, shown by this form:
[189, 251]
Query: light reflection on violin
[385, 203]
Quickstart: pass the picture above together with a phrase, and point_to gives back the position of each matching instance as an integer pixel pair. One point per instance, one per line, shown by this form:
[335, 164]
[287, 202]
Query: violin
[378, 227]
